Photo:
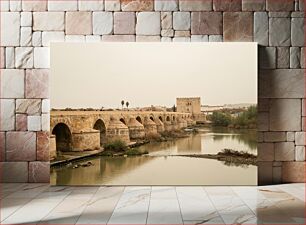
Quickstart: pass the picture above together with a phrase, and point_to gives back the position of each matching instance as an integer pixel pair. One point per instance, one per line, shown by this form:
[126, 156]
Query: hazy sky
[103, 74]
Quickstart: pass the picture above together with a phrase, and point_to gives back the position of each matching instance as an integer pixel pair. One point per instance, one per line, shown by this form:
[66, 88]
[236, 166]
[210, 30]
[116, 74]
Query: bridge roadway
[88, 130]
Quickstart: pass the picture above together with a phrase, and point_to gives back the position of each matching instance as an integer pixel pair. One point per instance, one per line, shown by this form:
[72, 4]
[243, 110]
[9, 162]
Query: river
[158, 168]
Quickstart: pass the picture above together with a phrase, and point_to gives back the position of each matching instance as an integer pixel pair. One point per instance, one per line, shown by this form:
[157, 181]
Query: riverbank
[230, 157]
[135, 149]
[70, 157]
[170, 135]
[64, 158]
[119, 170]
[118, 148]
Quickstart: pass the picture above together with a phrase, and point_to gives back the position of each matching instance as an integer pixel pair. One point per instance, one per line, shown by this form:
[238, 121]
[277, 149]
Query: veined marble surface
[44, 204]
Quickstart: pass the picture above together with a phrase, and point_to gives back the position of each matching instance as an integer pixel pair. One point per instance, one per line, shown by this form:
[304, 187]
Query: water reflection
[173, 170]
[103, 171]
[193, 143]
[207, 141]
[247, 137]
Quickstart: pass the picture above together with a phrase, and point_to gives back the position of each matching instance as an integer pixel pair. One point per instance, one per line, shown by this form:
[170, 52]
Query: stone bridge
[88, 130]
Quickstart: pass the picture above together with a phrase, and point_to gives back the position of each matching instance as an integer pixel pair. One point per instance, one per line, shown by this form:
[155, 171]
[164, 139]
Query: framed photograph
[153, 113]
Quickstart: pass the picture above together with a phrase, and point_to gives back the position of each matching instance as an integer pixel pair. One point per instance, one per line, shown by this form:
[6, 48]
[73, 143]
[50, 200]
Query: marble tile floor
[44, 204]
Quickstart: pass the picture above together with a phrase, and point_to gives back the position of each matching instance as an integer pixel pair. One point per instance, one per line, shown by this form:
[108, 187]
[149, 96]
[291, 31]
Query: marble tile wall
[28, 27]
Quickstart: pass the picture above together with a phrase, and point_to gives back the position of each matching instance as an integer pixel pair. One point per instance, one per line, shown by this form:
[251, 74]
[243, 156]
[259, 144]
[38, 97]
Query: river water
[158, 168]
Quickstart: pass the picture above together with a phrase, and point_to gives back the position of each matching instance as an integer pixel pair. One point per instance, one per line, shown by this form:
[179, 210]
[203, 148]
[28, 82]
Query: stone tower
[189, 105]
[192, 106]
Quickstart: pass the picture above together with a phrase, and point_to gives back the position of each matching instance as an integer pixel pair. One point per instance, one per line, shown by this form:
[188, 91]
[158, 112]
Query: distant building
[188, 105]
[152, 108]
[209, 109]
[191, 105]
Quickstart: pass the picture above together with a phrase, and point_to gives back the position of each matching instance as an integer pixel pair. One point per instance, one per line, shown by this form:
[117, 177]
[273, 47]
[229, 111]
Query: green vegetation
[169, 135]
[244, 119]
[128, 152]
[119, 148]
[116, 146]
[106, 153]
[221, 119]
[247, 118]
[166, 136]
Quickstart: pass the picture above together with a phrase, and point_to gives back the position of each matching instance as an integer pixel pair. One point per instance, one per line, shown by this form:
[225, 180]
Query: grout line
[248, 205]
[2, 219]
[217, 211]
[28, 203]
[55, 206]
[149, 205]
[88, 201]
[116, 203]
[178, 201]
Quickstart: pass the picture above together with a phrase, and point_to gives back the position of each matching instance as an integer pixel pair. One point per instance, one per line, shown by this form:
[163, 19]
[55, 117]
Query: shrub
[135, 151]
[221, 119]
[226, 118]
[247, 118]
[116, 146]
[106, 153]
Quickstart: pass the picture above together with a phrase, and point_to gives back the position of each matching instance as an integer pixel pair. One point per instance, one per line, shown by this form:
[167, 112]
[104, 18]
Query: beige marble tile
[100, 208]
[132, 207]
[176, 205]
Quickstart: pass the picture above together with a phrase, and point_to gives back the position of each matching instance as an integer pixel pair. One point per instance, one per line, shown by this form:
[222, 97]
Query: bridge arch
[138, 118]
[122, 120]
[100, 125]
[173, 118]
[63, 137]
[152, 118]
[160, 118]
[168, 118]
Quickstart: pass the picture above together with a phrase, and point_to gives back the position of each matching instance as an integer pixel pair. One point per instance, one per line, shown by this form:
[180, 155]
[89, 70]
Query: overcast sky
[145, 74]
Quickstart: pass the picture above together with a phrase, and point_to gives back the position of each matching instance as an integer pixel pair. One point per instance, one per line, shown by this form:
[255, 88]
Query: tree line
[245, 119]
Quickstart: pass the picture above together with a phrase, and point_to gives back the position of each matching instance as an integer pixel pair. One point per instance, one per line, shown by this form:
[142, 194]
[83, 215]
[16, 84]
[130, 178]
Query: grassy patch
[135, 151]
[174, 134]
[106, 153]
[116, 146]
[128, 152]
